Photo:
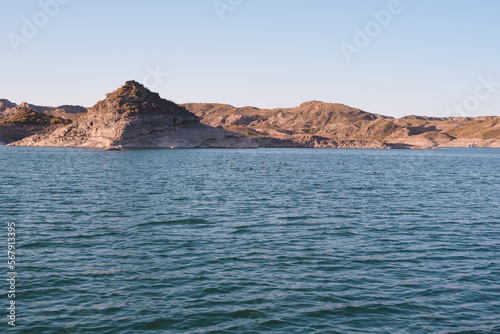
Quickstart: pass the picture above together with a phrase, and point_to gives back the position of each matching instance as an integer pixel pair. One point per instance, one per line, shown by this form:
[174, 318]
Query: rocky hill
[319, 124]
[134, 117]
[69, 112]
[24, 122]
[24, 116]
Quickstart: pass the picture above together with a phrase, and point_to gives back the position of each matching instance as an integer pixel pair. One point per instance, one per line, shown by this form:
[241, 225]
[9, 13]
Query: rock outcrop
[134, 117]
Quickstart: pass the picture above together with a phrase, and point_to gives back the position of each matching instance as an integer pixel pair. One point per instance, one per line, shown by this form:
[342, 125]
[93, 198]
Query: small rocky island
[134, 117]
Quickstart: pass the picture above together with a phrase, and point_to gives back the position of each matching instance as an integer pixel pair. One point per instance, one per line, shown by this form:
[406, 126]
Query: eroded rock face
[134, 117]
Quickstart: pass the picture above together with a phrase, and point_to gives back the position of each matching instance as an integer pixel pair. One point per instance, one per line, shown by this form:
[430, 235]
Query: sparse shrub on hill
[31, 117]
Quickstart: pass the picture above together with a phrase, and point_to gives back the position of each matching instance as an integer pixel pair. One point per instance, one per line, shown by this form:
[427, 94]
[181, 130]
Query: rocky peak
[319, 105]
[311, 104]
[133, 99]
[133, 91]
[24, 106]
[6, 104]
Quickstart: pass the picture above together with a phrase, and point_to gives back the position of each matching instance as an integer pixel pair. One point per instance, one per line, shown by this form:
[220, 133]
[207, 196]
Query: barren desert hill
[339, 122]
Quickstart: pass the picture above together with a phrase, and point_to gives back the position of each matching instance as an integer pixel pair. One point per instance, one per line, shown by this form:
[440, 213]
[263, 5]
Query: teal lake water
[180, 241]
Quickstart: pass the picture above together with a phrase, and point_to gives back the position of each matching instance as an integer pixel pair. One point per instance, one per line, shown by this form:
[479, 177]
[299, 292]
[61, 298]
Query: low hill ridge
[321, 124]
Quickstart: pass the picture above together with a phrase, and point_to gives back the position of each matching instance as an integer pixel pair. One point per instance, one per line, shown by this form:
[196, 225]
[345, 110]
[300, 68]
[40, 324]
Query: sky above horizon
[396, 58]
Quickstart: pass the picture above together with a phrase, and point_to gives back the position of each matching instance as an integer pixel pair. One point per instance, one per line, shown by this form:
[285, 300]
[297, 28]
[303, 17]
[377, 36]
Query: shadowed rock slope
[134, 117]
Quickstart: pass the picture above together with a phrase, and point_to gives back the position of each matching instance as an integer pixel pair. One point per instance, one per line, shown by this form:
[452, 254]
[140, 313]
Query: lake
[253, 241]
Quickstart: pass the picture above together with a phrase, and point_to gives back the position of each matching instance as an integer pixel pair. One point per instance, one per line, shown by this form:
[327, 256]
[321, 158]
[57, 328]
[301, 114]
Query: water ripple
[181, 241]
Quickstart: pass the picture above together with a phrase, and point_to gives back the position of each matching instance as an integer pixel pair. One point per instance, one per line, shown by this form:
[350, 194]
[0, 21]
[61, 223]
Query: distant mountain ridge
[66, 111]
[312, 124]
[317, 124]
[6, 104]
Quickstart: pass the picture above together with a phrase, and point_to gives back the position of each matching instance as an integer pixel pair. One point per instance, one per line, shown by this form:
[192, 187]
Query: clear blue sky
[265, 53]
